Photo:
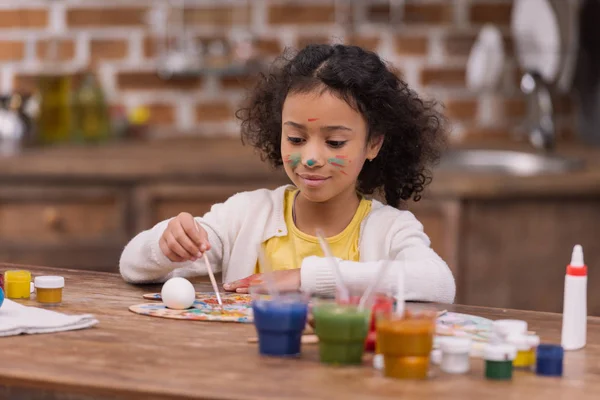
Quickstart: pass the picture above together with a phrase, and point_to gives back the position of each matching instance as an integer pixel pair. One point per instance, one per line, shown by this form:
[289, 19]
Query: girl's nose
[312, 155]
[312, 162]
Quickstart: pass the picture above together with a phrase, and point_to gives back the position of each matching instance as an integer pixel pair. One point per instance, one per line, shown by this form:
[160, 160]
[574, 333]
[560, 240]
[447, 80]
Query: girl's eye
[336, 144]
[294, 140]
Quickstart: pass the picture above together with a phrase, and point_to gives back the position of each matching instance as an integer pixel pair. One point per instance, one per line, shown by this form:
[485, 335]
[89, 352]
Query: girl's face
[324, 144]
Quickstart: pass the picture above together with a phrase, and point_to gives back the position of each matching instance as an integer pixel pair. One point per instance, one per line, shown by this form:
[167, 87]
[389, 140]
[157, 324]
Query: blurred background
[117, 114]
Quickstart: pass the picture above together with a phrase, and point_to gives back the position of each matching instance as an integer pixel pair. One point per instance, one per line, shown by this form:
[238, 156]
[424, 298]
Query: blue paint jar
[279, 324]
[549, 360]
[1, 297]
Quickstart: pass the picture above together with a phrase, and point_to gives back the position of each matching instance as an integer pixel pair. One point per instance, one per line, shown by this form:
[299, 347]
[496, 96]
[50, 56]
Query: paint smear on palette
[227, 298]
[215, 302]
[464, 325]
[293, 159]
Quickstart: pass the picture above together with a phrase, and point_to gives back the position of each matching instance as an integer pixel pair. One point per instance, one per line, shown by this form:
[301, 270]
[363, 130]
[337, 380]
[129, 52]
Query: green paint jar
[499, 361]
[342, 331]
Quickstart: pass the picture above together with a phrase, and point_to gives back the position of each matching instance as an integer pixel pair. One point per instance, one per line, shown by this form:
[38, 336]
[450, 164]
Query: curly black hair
[412, 129]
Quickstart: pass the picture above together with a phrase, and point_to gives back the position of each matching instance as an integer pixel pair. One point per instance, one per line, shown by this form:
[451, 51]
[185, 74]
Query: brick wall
[430, 44]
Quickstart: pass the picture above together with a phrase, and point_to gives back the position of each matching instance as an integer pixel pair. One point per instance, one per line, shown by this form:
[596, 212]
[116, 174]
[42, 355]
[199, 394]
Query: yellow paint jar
[49, 289]
[17, 284]
[524, 358]
[526, 345]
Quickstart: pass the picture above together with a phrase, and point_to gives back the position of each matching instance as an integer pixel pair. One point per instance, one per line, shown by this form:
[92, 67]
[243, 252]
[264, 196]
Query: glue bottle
[574, 324]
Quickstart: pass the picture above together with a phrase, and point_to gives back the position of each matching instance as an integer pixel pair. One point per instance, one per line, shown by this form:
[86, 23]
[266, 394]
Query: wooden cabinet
[58, 214]
[86, 227]
[70, 226]
[441, 222]
[513, 252]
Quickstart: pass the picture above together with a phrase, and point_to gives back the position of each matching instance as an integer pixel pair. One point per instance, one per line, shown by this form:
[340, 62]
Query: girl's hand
[287, 280]
[184, 239]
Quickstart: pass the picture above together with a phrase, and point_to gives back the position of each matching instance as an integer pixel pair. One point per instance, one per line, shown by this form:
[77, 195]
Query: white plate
[567, 13]
[486, 60]
[537, 38]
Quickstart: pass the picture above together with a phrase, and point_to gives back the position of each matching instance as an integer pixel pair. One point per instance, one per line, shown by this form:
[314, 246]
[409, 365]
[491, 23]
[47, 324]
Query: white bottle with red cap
[574, 324]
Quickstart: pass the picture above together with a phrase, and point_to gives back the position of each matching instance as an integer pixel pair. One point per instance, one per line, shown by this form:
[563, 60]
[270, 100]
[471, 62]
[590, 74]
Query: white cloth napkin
[16, 319]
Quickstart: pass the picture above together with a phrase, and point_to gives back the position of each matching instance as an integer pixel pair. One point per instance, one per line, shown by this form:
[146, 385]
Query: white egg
[178, 293]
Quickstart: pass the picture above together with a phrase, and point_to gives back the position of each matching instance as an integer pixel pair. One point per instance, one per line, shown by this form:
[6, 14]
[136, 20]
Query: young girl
[344, 127]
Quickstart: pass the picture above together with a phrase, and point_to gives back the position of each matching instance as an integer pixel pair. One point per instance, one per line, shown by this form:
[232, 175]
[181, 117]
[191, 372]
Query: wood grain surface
[129, 356]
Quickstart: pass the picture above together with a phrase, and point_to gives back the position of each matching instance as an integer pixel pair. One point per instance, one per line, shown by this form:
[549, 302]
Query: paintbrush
[210, 273]
[342, 289]
[212, 280]
[373, 286]
[268, 273]
[305, 339]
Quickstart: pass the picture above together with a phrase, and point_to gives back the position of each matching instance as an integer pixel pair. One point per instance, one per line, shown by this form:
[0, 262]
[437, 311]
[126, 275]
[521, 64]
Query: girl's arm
[426, 276]
[142, 260]
[423, 274]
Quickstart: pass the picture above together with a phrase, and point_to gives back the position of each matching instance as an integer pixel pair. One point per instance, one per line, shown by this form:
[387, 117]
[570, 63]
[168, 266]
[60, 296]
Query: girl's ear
[374, 146]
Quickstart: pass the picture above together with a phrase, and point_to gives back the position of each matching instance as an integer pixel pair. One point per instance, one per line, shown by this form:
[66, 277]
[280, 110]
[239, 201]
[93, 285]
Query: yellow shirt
[287, 252]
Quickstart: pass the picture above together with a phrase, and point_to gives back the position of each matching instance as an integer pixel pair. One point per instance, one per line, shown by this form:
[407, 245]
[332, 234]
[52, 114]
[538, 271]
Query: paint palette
[230, 313]
[474, 327]
[236, 308]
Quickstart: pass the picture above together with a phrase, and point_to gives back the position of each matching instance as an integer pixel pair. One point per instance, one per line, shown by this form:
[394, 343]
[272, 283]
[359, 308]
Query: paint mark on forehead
[312, 119]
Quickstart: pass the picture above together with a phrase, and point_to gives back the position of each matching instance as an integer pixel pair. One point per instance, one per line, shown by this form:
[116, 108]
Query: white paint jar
[456, 353]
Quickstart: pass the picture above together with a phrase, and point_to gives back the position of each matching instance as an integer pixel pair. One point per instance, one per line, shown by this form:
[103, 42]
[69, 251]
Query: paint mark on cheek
[293, 159]
[340, 162]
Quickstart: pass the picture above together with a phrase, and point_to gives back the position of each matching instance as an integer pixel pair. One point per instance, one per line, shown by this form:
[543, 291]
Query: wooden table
[129, 356]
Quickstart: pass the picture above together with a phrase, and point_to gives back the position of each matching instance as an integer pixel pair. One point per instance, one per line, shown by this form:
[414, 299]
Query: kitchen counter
[581, 182]
[216, 160]
[208, 160]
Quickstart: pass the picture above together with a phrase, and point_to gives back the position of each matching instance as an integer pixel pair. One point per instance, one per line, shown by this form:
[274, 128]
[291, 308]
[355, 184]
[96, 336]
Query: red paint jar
[382, 304]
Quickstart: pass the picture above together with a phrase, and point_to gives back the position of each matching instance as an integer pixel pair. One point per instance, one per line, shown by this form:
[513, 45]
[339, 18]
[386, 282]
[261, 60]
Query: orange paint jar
[406, 342]
[49, 289]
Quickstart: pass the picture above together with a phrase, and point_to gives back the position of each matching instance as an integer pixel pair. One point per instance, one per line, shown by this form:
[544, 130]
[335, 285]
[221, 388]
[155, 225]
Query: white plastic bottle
[574, 324]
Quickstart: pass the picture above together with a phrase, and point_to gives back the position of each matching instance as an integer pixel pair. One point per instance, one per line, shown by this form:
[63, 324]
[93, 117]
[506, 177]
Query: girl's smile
[313, 181]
